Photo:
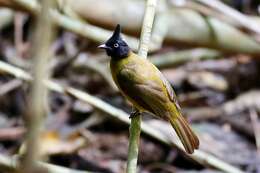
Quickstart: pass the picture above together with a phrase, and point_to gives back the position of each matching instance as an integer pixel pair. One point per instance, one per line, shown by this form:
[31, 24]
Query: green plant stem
[135, 126]
[135, 130]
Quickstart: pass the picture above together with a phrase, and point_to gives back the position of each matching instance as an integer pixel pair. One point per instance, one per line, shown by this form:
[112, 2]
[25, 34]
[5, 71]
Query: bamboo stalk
[135, 126]
[38, 98]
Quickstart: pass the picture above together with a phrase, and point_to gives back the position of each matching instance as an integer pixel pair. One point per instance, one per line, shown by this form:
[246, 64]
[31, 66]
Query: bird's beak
[103, 46]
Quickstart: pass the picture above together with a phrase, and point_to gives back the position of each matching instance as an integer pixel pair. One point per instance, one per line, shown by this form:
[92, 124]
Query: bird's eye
[116, 45]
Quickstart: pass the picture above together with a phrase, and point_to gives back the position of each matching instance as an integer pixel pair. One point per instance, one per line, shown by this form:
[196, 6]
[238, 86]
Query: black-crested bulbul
[146, 88]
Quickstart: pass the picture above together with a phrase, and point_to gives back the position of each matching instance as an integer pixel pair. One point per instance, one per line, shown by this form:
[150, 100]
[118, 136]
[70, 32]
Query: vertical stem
[135, 130]
[147, 28]
[135, 126]
[38, 98]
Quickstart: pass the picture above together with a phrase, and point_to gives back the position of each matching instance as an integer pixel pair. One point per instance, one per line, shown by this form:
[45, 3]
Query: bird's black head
[115, 46]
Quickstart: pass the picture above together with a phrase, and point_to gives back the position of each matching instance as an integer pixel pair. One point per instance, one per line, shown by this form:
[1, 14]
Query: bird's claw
[134, 113]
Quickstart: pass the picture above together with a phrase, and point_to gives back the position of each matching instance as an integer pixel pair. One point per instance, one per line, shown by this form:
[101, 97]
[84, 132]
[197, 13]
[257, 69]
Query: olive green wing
[170, 91]
[141, 90]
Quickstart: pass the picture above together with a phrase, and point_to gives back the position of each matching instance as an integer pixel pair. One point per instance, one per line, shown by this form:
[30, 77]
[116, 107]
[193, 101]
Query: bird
[146, 88]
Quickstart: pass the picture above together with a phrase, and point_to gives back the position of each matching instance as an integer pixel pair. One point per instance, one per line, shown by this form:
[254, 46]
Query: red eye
[116, 45]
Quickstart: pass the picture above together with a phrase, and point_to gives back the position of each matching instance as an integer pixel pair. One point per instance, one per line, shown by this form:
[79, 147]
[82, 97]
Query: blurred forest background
[209, 50]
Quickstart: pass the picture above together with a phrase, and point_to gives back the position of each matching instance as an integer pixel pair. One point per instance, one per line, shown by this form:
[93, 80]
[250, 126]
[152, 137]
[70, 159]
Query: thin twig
[36, 109]
[11, 133]
[176, 58]
[135, 126]
[91, 64]
[9, 86]
[12, 164]
[256, 127]
[18, 33]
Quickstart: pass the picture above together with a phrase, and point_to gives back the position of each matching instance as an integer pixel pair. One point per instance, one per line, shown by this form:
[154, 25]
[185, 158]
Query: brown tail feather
[188, 138]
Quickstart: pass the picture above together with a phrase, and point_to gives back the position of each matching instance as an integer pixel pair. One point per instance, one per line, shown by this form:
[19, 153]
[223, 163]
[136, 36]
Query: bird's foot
[134, 113]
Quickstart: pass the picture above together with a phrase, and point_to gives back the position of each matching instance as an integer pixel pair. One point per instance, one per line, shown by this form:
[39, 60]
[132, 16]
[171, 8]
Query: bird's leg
[134, 113]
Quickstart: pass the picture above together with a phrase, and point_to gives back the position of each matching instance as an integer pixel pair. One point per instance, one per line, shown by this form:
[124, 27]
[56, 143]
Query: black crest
[117, 34]
[115, 46]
